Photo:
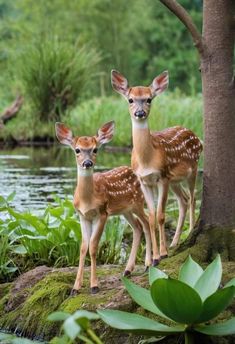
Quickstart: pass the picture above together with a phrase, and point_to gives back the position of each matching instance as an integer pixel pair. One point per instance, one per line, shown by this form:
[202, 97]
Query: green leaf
[136, 323]
[11, 196]
[190, 272]
[216, 303]
[221, 329]
[142, 296]
[176, 300]
[209, 281]
[155, 273]
[57, 212]
[58, 316]
[71, 328]
[230, 283]
[19, 249]
[85, 314]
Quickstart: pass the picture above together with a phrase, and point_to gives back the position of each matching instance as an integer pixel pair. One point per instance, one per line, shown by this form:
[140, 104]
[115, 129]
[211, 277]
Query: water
[36, 174]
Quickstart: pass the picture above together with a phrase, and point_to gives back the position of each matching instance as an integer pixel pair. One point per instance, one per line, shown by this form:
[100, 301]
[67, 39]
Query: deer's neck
[85, 184]
[142, 141]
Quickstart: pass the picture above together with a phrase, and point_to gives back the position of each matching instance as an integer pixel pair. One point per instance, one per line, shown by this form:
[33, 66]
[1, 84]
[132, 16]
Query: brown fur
[99, 195]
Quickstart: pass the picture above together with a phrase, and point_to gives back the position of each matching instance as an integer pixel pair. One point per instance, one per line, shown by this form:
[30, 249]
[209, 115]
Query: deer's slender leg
[163, 187]
[145, 225]
[149, 198]
[137, 232]
[182, 199]
[97, 230]
[86, 227]
[191, 184]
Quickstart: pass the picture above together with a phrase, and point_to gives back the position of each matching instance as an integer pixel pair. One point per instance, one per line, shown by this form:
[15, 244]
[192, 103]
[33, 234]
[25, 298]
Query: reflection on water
[36, 174]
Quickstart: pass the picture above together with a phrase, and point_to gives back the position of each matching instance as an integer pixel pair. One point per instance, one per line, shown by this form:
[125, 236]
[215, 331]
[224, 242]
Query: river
[35, 174]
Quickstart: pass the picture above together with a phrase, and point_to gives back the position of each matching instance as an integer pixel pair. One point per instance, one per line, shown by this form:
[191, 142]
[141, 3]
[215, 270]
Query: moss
[4, 289]
[51, 293]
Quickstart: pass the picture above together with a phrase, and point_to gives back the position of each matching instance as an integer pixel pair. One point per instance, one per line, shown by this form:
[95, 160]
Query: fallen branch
[12, 110]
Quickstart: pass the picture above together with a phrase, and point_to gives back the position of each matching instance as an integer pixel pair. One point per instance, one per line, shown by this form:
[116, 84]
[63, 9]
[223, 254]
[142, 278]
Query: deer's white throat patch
[139, 124]
[84, 172]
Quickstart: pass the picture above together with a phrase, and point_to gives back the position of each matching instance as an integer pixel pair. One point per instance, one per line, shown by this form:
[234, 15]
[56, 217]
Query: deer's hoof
[127, 273]
[165, 256]
[95, 290]
[146, 269]
[156, 262]
[74, 292]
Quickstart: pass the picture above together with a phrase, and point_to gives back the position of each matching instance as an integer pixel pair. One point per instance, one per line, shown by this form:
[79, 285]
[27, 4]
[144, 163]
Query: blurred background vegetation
[59, 55]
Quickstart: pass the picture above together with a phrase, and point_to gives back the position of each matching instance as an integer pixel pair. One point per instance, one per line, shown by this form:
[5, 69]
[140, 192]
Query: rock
[24, 308]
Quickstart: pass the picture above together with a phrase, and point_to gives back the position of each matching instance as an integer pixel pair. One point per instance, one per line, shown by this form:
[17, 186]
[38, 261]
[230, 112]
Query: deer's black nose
[87, 163]
[140, 114]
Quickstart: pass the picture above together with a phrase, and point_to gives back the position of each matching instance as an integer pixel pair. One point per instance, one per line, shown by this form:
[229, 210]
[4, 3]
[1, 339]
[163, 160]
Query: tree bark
[216, 226]
[218, 199]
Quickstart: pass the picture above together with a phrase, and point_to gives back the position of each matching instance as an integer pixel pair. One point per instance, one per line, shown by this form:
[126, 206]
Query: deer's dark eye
[131, 100]
[149, 100]
[95, 150]
[77, 150]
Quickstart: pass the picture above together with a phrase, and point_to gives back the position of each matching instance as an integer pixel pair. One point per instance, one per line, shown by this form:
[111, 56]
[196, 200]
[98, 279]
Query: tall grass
[169, 109]
[55, 74]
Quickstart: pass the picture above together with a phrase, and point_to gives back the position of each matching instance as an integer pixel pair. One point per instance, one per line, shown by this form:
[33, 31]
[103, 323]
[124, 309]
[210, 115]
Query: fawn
[160, 158]
[100, 195]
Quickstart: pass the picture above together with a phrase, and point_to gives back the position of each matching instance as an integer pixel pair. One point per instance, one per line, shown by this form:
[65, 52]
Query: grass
[169, 109]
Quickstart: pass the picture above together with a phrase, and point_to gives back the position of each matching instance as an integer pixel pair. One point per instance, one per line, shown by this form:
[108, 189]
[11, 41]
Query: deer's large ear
[119, 83]
[63, 134]
[160, 83]
[105, 133]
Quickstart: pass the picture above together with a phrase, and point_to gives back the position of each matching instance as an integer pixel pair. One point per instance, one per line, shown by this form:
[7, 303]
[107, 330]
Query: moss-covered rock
[26, 303]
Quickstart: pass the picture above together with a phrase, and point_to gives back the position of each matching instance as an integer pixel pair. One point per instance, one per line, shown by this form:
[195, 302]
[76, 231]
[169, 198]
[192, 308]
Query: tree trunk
[218, 201]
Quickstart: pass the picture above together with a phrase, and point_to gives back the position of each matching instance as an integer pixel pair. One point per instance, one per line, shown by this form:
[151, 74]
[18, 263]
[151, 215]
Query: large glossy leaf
[136, 323]
[176, 300]
[221, 329]
[209, 281]
[231, 282]
[142, 296]
[216, 303]
[155, 273]
[190, 272]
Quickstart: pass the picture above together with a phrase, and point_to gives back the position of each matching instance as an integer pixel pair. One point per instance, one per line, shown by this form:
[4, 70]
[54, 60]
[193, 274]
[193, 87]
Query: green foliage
[142, 40]
[76, 326]
[168, 110]
[53, 238]
[56, 75]
[188, 302]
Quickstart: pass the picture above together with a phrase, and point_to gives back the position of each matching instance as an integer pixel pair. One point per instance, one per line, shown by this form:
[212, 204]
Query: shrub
[55, 75]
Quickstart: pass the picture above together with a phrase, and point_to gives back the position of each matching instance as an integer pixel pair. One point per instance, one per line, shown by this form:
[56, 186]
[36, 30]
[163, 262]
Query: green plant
[110, 246]
[76, 326]
[52, 238]
[187, 303]
[56, 75]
